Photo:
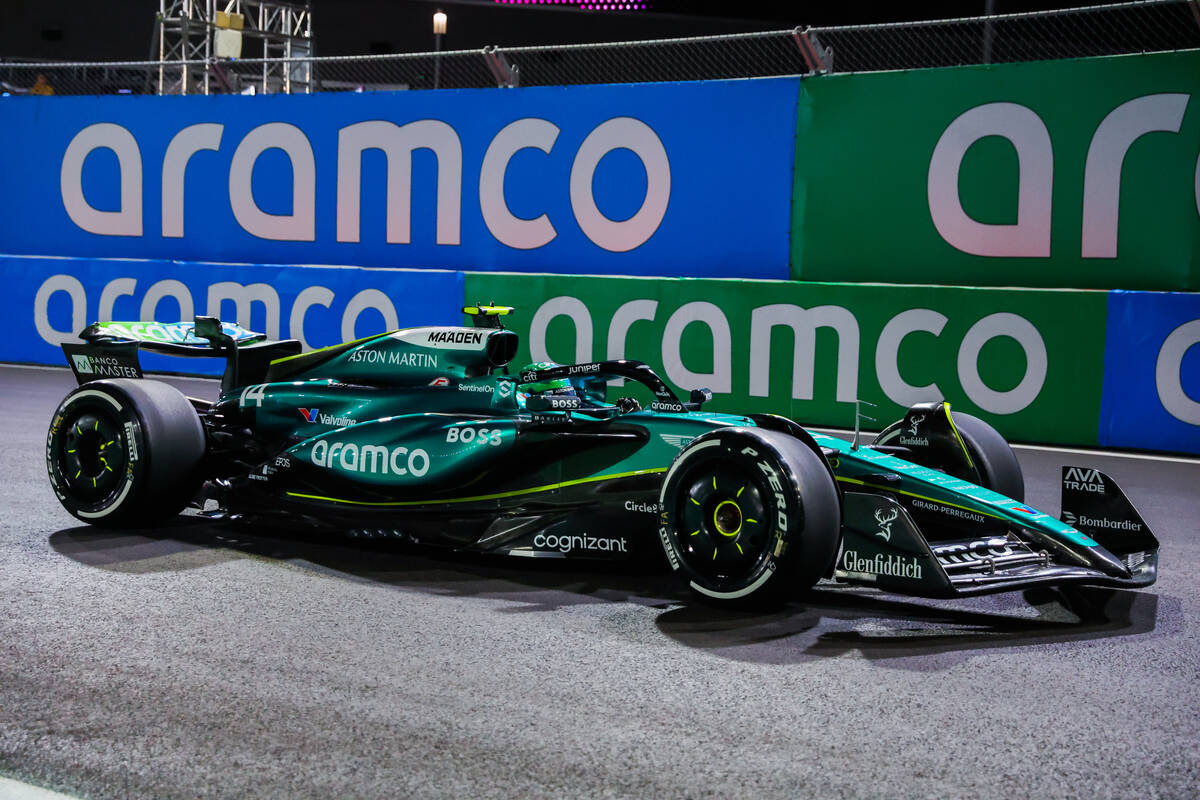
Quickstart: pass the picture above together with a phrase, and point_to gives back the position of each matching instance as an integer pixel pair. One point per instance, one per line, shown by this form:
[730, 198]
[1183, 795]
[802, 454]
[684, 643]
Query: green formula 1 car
[422, 434]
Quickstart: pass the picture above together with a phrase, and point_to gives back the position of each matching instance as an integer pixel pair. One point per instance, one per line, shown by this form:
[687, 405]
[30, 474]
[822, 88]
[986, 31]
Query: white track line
[16, 790]
[1108, 453]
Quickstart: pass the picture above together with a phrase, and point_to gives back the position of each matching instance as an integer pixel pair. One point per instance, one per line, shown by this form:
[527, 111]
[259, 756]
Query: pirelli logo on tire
[665, 537]
[772, 476]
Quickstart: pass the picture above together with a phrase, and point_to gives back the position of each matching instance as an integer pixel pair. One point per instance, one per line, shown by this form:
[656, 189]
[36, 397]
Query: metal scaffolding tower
[199, 44]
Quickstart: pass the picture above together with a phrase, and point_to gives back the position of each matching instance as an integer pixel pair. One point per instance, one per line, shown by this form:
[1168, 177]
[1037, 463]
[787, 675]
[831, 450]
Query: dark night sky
[121, 29]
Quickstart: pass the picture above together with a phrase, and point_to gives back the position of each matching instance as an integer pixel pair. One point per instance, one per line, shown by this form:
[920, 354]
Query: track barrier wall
[1074, 367]
[686, 179]
[1151, 396]
[649, 179]
[1074, 173]
[49, 300]
[1120, 369]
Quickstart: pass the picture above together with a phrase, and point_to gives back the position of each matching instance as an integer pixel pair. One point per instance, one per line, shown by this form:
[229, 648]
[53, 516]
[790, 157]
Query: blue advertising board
[1151, 395]
[680, 179]
[49, 300]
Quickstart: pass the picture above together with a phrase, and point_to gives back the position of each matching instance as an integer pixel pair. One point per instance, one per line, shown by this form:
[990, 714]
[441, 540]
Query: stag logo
[912, 439]
[885, 520]
[914, 422]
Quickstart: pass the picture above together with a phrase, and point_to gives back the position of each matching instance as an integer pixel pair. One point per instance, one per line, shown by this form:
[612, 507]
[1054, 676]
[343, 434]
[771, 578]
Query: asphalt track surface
[201, 661]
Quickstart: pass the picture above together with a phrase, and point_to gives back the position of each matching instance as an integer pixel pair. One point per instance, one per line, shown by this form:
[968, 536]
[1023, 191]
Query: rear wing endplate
[111, 349]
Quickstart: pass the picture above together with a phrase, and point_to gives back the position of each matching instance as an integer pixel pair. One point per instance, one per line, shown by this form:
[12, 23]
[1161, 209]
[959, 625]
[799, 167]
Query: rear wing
[111, 349]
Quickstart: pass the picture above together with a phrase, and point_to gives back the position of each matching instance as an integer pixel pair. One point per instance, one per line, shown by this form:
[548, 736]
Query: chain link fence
[1070, 33]
[1132, 27]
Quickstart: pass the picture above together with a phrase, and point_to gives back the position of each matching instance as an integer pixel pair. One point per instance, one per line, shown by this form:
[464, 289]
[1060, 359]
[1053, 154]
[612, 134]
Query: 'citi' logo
[1084, 480]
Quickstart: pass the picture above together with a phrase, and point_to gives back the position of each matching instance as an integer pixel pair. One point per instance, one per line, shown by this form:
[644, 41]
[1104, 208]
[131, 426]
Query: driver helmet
[556, 386]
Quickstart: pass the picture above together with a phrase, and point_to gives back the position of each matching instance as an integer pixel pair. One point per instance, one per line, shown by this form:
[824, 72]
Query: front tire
[992, 457]
[749, 516]
[124, 453]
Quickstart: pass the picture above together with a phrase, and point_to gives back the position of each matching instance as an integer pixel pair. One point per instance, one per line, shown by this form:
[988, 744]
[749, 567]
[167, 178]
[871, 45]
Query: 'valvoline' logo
[309, 414]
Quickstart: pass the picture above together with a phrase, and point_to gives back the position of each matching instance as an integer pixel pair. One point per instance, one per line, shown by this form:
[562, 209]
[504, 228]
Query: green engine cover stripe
[533, 490]
[894, 490]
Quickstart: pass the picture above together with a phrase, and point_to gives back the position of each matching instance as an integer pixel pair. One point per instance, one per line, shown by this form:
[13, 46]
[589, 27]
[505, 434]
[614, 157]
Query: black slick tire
[124, 453]
[750, 517]
[991, 456]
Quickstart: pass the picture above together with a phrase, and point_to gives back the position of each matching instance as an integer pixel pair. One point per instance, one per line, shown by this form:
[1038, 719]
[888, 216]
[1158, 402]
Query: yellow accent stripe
[922, 497]
[961, 444]
[547, 488]
[332, 346]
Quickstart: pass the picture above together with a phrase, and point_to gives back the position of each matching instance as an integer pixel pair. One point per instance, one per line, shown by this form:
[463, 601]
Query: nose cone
[1107, 562]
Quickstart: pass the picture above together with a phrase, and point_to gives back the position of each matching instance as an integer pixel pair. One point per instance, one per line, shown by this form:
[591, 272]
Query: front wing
[883, 547]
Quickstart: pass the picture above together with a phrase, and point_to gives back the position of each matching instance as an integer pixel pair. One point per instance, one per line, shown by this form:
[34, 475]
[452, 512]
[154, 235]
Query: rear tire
[749, 516]
[125, 453]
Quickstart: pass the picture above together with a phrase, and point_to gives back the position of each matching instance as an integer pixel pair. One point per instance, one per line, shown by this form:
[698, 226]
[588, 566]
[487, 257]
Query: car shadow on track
[830, 621]
[535, 584]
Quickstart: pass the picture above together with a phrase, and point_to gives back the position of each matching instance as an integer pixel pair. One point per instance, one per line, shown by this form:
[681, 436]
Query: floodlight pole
[439, 28]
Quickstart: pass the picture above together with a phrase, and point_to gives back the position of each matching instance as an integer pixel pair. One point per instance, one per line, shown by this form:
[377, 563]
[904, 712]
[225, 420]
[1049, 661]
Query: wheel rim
[92, 455]
[722, 523]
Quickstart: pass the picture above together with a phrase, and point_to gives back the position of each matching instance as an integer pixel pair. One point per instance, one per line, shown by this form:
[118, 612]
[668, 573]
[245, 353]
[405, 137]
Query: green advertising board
[809, 350]
[1077, 173]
